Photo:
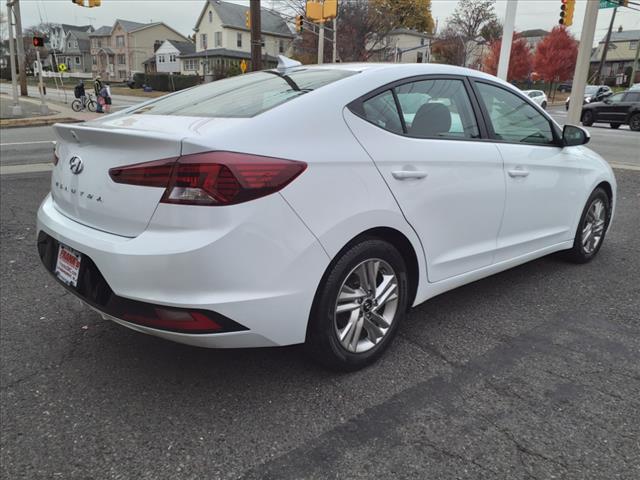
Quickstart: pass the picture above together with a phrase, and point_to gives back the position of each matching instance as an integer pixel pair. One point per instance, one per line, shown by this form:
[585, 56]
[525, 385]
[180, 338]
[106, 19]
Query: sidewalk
[31, 116]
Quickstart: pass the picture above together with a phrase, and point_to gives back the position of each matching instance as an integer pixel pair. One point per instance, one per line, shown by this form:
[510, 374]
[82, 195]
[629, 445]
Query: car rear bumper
[257, 266]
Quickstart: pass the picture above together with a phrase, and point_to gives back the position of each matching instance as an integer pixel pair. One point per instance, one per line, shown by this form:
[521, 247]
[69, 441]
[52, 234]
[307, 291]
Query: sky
[182, 14]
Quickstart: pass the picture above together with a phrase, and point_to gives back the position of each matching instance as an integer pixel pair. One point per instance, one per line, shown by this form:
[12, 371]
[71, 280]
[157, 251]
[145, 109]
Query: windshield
[243, 95]
[590, 90]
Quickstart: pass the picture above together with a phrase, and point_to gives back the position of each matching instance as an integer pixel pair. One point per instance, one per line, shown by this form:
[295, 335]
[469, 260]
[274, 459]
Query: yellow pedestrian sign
[243, 66]
[62, 67]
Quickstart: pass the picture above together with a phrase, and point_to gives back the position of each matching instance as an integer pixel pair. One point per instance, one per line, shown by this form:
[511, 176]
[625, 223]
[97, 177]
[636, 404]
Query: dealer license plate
[68, 265]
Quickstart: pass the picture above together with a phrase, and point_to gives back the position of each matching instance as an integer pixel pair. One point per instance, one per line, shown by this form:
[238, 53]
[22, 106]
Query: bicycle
[89, 104]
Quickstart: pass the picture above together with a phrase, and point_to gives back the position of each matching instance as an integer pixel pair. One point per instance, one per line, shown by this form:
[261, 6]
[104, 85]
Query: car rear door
[544, 182]
[426, 141]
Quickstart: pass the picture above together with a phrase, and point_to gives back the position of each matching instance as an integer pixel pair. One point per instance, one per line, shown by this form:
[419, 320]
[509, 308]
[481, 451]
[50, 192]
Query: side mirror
[573, 135]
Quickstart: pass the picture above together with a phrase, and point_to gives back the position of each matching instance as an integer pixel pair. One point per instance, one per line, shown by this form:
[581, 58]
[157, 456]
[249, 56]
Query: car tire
[592, 228]
[634, 122]
[587, 118]
[544, 105]
[350, 333]
[615, 126]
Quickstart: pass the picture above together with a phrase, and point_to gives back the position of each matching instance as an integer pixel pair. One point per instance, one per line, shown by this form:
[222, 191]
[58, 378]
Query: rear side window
[632, 97]
[243, 95]
[438, 108]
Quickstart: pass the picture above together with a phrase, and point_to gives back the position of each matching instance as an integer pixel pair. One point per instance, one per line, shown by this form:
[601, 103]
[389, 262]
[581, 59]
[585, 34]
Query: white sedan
[538, 96]
[314, 204]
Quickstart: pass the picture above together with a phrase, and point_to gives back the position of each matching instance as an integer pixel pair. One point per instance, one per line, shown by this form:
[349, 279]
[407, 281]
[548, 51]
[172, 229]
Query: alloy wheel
[366, 305]
[593, 227]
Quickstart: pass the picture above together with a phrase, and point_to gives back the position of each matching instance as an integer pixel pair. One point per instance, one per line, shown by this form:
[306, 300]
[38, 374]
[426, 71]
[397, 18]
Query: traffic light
[78, 2]
[299, 23]
[94, 3]
[38, 41]
[566, 12]
[247, 19]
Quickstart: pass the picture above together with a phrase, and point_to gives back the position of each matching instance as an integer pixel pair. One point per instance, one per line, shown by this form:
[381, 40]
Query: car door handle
[408, 174]
[518, 173]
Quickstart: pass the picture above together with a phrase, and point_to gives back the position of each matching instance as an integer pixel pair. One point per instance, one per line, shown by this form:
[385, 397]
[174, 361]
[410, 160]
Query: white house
[403, 45]
[167, 55]
[223, 39]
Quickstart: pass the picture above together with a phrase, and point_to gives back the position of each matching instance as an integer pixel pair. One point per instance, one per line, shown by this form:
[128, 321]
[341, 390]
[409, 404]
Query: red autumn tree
[555, 58]
[520, 61]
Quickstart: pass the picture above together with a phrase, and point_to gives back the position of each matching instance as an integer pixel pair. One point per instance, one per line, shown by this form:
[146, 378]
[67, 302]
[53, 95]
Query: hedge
[165, 82]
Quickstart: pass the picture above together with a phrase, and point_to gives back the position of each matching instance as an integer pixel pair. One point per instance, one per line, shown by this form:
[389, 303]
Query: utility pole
[321, 43]
[507, 39]
[635, 66]
[20, 48]
[603, 57]
[16, 109]
[256, 36]
[582, 64]
[334, 57]
[44, 109]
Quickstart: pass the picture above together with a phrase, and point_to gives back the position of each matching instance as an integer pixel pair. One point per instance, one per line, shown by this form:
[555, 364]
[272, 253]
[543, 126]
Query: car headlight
[587, 99]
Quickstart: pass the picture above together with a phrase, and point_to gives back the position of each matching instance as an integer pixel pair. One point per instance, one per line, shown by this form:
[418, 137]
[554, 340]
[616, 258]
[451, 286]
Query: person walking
[97, 87]
[105, 94]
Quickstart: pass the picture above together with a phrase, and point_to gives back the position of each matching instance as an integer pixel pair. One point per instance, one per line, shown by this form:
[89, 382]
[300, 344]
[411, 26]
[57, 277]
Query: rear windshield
[244, 95]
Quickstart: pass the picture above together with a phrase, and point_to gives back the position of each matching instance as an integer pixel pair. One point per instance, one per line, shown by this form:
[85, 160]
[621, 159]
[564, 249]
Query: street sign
[243, 66]
[608, 4]
[62, 67]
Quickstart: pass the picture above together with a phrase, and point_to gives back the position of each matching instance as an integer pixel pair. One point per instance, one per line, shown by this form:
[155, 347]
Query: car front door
[544, 182]
[611, 109]
[425, 139]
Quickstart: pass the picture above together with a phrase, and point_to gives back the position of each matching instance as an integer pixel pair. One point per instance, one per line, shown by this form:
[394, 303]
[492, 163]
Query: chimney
[156, 45]
[620, 28]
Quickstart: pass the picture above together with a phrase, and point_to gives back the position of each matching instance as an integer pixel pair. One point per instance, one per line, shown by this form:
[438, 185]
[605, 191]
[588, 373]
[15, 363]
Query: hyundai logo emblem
[76, 165]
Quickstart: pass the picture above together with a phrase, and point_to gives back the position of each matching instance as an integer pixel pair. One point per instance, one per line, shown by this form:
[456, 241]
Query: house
[56, 38]
[223, 39]
[120, 51]
[533, 37]
[76, 52]
[403, 45]
[166, 57]
[620, 54]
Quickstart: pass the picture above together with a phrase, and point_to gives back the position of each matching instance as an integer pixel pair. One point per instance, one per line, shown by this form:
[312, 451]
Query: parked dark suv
[618, 109]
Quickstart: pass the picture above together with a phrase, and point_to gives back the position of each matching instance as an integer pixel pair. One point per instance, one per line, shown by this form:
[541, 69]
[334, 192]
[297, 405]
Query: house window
[420, 57]
[122, 74]
[160, 58]
[120, 41]
[281, 46]
[239, 40]
[172, 57]
[77, 60]
[210, 16]
[203, 40]
[422, 42]
[121, 59]
[218, 39]
[191, 64]
[99, 43]
[94, 60]
[633, 45]
[68, 44]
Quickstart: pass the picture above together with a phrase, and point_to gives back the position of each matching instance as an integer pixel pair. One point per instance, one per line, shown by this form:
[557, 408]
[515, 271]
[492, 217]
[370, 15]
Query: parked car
[565, 87]
[619, 109]
[592, 93]
[538, 96]
[635, 87]
[303, 205]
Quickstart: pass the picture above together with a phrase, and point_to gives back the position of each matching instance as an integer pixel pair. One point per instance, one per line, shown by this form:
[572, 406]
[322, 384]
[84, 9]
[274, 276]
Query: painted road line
[26, 143]
[29, 168]
[624, 166]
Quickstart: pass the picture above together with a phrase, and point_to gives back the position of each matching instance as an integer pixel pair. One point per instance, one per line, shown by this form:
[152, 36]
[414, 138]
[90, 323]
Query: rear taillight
[212, 178]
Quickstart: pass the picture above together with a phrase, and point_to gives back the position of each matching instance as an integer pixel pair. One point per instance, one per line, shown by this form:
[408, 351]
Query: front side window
[244, 95]
[617, 98]
[632, 97]
[513, 119]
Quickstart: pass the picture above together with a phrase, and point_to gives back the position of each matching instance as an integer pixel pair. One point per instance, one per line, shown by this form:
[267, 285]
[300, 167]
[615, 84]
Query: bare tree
[470, 16]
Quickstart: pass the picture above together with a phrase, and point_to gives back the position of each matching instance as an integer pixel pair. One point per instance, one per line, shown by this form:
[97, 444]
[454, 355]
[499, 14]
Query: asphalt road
[620, 146]
[532, 373]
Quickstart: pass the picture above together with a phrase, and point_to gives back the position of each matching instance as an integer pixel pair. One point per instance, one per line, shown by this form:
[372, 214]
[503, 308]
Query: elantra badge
[76, 165]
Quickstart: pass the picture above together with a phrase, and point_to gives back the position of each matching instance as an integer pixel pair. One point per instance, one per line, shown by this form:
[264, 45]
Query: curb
[36, 122]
